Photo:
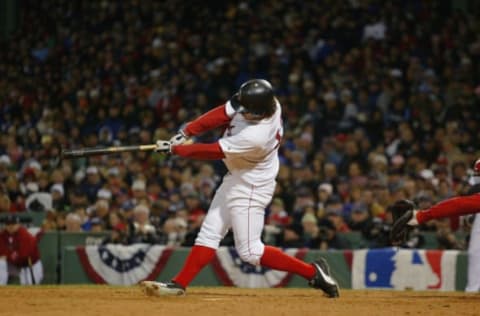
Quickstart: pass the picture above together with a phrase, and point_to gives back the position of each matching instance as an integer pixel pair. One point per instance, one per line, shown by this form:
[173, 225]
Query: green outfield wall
[73, 272]
[62, 265]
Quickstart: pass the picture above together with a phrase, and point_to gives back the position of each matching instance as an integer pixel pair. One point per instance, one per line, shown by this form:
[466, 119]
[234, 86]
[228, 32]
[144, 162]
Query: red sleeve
[456, 206]
[208, 121]
[27, 248]
[3, 245]
[199, 151]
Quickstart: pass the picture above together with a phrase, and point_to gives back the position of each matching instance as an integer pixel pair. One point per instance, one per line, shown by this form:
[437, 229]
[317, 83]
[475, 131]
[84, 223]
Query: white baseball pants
[473, 283]
[240, 206]
[24, 275]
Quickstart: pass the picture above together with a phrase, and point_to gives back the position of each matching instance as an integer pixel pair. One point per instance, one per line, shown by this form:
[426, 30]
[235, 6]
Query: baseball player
[248, 147]
[405, 216]
[20, 252]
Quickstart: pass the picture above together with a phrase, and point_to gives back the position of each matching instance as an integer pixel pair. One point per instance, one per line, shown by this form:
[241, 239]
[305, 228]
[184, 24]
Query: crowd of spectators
[380, 102]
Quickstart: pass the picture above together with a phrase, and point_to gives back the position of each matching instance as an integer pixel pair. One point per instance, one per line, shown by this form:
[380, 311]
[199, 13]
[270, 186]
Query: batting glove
[179, 138]
[163, 146]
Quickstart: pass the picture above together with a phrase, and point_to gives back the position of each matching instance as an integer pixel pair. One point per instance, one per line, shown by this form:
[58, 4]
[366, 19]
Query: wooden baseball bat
[30, 268]
[91, 151]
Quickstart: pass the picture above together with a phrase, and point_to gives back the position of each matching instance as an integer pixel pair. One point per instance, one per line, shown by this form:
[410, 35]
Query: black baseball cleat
[400, 231]
[400, 228]
[152, 288]
[323, 280]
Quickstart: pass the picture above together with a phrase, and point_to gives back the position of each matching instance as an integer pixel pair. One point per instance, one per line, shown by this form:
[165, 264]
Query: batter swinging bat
[89, 151]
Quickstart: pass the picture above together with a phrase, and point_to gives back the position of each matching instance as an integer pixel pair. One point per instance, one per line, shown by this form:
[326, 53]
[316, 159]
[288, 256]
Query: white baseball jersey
[251, 156]
[251, 147]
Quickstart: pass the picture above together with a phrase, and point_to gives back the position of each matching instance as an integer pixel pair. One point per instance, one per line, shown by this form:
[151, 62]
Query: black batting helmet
[256, 97]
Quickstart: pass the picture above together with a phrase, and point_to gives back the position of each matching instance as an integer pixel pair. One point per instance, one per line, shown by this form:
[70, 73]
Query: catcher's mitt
[402, 212]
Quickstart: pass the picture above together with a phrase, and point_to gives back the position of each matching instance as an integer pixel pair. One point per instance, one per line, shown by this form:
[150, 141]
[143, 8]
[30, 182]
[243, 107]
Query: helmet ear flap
[235, 101]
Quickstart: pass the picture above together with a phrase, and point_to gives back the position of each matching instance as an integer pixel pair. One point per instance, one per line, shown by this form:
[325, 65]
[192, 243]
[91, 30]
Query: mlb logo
[402, 269]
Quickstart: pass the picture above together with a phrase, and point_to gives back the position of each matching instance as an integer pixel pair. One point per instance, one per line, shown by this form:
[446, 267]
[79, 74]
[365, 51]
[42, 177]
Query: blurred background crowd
[380, 101]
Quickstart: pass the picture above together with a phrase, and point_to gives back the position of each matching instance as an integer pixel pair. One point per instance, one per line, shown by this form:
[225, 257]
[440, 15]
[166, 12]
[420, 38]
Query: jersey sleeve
[219, 116]
[27, 246]
[199, 151]
[3, 246]
[229, 110]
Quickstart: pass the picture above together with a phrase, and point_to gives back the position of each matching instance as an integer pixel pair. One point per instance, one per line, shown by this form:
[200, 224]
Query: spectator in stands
[377, 233]
[291, 236]
[324, 191]
[207, 189]
[359, 218]
[193, 204]
[37, 201]
[97, 225]
[19, 255]
[446, 239]
[194, 224]
[61, 221]
[117, 236]
[78, 199]
[277, 215]
[50, 221]
[140, 229]
[104, 194]
[115, 182]
[304, 199]
[405, 111]
[116, 221]
[327, 237]
[15, 194]
[92, 183]
[139, 195]
[310, 228]
[73, 223]
[57, 192]
[4, 203]
[100, 210]
[174, 231]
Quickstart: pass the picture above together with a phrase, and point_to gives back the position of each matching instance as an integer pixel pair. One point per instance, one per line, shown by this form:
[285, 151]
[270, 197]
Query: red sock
[274, 258]
[456, 206]
[198, 258]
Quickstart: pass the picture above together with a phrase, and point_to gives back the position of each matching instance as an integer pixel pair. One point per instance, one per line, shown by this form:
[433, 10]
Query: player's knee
[251, 253]
[208, 240]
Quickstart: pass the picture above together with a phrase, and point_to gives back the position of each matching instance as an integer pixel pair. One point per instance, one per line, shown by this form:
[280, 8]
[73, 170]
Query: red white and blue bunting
[387, 268]
[232, 271]
[123, 265]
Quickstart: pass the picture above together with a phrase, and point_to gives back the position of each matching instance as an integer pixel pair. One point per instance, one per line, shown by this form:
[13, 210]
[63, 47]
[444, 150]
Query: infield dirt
[200, 301]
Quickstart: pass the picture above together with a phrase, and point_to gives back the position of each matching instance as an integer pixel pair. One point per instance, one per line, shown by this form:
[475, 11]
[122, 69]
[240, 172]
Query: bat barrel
[84, 152]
